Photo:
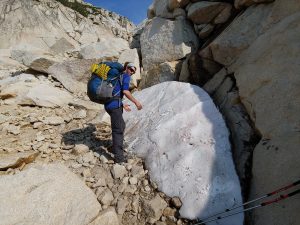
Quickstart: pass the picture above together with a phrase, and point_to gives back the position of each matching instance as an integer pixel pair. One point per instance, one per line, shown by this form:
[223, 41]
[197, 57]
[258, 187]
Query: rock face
[262, 59]
[46, 25]
[73, 74]
[107, 48]
[185, 144]
[16, 160]
[25, 193]
[25, 89]
[164, 40]
[209, 12]
[277, 119]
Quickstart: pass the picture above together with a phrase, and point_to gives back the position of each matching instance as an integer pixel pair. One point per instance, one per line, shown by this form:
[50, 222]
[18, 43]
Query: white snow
[184, 141]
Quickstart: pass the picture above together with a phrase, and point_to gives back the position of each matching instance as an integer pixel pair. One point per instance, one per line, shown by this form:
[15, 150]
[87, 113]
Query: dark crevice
[221, 27]
[242, 150]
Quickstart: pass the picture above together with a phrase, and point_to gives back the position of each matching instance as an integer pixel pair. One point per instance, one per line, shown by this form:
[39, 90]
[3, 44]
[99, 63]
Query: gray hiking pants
[118, 127]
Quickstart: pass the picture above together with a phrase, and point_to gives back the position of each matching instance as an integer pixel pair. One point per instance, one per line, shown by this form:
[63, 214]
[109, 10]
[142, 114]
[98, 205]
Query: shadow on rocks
[96, 137]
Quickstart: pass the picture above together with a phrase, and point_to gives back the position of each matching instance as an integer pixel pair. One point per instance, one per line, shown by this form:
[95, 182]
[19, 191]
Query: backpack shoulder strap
[121, 79]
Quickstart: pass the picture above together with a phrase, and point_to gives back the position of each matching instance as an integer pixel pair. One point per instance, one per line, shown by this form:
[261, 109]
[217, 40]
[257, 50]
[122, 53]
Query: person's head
[129, 68]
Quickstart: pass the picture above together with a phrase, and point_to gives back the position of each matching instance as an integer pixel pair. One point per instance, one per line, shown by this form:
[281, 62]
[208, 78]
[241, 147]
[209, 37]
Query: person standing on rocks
[115, 109]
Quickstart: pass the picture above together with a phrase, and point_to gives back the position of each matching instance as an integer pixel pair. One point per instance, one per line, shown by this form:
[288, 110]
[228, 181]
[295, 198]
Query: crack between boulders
[20, 163]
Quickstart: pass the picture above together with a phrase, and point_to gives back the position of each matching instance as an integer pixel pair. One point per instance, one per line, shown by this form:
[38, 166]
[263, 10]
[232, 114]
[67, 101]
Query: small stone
[135, 204]
[153, 184]
[39, 137]
[99, 191]
[137, 171]
[53, 120]
[80, 114]
[45, 148]
[100, 183]
[147, 188]
[176, 202]
[118, 171]
[169, 212]
[53, 146]
[88, 157]
[65, 157]
[121, 206]
[67, 147]
[131, 161]
[179, 222]
[106, 197]
[76, 166]
[80, 149]
[145, 182]
[128, 167]
[154, 207]
[122, 188]
[96, 154]
[133, 180]
[37, 125]
[125, 180]
[130, 189]
[86, 173]
[67, 119]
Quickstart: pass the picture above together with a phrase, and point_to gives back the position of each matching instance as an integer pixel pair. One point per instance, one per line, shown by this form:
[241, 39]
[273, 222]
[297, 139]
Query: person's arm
[132, 99]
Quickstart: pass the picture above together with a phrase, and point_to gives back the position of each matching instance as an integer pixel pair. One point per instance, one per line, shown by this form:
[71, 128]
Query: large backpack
[104, 78]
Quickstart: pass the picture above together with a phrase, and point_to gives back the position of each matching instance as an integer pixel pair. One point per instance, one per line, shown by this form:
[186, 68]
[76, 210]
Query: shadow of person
[96, 137]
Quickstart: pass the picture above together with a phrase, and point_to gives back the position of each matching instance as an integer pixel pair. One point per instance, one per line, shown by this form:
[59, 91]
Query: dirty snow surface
[185, 143]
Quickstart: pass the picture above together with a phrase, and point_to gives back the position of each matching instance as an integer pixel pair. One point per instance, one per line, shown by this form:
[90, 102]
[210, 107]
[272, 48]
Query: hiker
[115, 109]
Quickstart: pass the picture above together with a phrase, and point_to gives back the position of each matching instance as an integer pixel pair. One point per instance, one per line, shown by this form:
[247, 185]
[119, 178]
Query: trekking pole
[253, 207]
[259, 198]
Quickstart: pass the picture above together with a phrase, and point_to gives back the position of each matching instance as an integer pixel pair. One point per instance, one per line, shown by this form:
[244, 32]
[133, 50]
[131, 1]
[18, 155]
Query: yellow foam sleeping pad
[101, 70]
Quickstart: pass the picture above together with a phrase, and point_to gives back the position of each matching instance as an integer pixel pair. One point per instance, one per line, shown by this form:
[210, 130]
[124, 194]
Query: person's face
[130, 70]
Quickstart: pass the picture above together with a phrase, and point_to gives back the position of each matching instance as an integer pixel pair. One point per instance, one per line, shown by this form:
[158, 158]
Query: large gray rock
[161, 9]
[14, 160]
[167, 71]
[25, 89]
[35, 59]
[267, 76]
[44, 24]
[174, 4]
[165, 40]
[9, 66]
[243, 136]
[73, 74]
[205, 12]
[46, 194]
[246, 28]
[245, 3]
[105, 48]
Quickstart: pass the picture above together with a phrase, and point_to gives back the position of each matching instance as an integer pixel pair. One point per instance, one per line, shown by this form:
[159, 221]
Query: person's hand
[127, 107]
[138, 105]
